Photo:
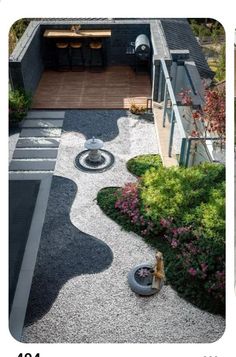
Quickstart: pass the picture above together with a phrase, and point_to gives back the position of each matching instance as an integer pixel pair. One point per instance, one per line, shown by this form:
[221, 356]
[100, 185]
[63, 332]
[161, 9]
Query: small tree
[214, 112]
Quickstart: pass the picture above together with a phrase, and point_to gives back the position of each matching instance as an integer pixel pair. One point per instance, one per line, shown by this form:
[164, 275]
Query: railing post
[160, 85]
[165, 104]
[172, 126]
[188, 152]
[182, 152]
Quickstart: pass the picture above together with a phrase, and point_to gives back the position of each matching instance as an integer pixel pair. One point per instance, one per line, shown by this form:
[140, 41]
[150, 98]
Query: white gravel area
[13, 138]
[101, 308]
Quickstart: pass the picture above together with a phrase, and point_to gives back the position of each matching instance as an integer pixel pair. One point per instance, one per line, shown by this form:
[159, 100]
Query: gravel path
[100, 308]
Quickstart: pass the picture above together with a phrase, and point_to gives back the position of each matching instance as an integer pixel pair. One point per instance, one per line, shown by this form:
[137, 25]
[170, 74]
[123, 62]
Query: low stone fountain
[94, 146]
[94, 159]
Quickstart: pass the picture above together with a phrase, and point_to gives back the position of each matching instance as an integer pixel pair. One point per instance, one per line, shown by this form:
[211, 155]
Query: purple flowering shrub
[202, 263]
[181, 211]
[128, 203]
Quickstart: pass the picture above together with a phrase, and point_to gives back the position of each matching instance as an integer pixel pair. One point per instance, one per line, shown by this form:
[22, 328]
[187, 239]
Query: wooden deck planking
[117, 87]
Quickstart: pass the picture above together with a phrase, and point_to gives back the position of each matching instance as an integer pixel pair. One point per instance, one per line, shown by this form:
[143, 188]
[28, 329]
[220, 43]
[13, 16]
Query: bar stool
[63, 56]
[96, 60]
[77, 57]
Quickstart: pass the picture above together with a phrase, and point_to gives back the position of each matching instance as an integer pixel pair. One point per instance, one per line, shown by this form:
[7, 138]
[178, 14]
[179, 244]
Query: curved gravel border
[101, 308]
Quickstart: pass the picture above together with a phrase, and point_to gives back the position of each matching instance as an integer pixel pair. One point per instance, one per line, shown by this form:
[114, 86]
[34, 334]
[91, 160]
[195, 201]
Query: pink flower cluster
[192, 271]
[128, 204]
[176, 231]
[165, 223]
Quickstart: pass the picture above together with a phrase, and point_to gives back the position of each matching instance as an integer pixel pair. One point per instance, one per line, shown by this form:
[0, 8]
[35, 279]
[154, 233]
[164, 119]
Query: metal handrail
[172, 98]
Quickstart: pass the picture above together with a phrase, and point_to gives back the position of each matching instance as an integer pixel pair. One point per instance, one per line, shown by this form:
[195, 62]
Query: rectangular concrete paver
[42, 123]
[29, 175]
[28, 132]
[48, 114]
[18, 165]
[37, 142]
[35, 154]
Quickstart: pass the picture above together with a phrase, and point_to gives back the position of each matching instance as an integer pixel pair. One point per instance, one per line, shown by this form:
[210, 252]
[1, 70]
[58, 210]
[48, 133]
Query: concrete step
[38, 142]
[19, 165]
[28, 132]
[35, 154]
[42, 123]
[46, 114]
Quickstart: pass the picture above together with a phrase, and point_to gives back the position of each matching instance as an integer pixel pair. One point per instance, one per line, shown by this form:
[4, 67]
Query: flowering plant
[128, 204]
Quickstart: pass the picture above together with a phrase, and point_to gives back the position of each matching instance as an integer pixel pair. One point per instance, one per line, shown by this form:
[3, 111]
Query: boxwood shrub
[138, 165]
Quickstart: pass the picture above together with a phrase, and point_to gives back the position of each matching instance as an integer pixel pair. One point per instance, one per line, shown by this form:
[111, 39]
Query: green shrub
[176, 192]
[220, 72]
[140, 164]
[182, 213]
[19, 103]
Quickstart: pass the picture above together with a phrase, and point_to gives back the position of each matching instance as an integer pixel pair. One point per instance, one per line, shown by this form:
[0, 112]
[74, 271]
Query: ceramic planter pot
[140, 279]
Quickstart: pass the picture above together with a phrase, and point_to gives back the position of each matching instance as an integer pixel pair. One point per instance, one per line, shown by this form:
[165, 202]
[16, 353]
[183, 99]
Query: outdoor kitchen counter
[72, 34]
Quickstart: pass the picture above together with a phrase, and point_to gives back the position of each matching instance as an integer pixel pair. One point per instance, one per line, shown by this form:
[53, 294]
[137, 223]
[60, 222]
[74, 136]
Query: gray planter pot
[147, 116]
[142, 285]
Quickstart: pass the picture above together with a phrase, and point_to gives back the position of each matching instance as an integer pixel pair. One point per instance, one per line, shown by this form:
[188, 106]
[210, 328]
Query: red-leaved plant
[199, 262]
[211, 117]
[128, 203]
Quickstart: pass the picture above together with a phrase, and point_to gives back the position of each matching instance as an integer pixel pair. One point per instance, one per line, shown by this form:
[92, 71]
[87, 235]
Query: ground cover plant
[180, 211]
[16, 32]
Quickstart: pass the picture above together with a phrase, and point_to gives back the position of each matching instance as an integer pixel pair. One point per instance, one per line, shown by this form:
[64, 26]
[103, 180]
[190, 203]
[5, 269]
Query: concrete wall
[160, 51]
[26, 63]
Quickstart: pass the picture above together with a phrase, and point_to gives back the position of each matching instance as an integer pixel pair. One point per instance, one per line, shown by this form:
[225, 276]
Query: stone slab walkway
[73, 299]
[36, 148]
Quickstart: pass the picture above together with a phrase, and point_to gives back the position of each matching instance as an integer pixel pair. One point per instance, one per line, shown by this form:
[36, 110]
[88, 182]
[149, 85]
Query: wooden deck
[114, 88]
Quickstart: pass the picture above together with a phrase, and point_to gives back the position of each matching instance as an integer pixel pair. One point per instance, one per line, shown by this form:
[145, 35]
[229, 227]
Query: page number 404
[28, 355]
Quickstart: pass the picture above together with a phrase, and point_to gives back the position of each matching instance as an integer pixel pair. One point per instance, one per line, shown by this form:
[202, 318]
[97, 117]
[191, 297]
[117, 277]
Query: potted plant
[19, 103]
[143, 111]
[137, 109]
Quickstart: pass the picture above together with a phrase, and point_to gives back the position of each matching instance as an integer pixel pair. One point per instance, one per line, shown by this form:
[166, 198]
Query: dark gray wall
[114, 46]
[26, 64]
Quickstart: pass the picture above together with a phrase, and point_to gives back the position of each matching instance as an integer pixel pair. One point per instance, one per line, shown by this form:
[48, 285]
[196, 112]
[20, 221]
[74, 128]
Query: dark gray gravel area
[22, 199]
[65, 252]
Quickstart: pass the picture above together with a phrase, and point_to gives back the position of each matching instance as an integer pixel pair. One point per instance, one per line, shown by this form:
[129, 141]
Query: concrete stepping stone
[48, 114]
[18, 165]
[37, 142]
[28, 175]
[42, 123]
[35, 154]
[28, 132]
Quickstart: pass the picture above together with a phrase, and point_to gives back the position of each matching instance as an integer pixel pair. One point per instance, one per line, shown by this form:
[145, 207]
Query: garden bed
[178, 212]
